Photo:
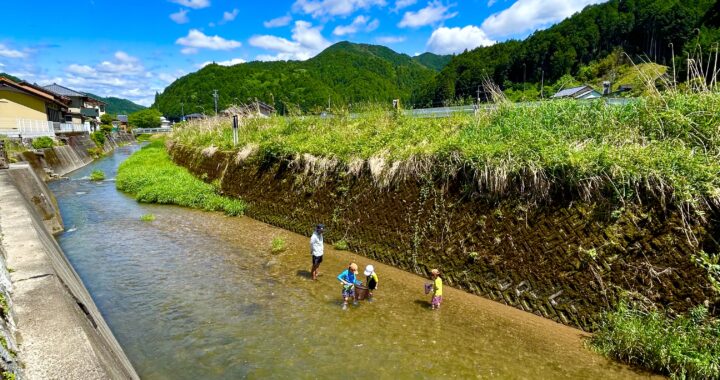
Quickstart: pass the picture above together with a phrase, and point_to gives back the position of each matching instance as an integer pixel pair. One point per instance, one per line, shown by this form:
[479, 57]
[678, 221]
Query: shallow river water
[197, 295]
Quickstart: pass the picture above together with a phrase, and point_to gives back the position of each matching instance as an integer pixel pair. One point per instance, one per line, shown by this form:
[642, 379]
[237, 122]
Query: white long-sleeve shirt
[316, 244]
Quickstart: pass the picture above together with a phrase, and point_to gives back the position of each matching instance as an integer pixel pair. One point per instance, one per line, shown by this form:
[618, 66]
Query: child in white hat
[372, 280]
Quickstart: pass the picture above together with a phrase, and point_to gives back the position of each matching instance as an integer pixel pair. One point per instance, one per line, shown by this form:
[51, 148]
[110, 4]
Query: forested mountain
[118, 106]
[11, 77]
[649, 30]
[433, 61]
[344, 73]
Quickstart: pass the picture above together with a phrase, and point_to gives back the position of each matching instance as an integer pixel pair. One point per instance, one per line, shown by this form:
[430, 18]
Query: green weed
[341, 245]
[42, 142]
[97, 175]
[684, 347]
[151, 177]
[278, 245]
[147, 218]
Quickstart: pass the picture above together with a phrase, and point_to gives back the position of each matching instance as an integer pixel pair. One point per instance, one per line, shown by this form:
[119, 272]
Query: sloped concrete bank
[565, 259]
[52, 327]
[74, 154]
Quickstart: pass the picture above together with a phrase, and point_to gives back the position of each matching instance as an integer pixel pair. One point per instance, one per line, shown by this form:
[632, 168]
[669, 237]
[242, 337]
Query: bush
[99, 138]
[341, 245]
[151, 177]
[97, 175]
[684, 347]
[42, 142]
[277, 245]
[106, 128]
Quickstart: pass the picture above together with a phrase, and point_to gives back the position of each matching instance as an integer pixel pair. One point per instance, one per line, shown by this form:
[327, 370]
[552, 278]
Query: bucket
[361, 292]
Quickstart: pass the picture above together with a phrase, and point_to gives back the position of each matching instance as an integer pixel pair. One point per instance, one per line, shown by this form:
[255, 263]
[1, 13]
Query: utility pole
[542, 83]
[182, 110]
[215, 97]
[478, 94]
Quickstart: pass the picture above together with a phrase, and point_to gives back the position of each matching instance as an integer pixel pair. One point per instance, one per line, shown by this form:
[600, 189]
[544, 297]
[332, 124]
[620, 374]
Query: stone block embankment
[566, 260]
[52, 327]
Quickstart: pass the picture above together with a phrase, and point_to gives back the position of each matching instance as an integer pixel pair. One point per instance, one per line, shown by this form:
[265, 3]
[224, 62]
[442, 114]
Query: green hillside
[644, 29]
[11, 77]
[433, 61]
[118, 106]
[345, 73]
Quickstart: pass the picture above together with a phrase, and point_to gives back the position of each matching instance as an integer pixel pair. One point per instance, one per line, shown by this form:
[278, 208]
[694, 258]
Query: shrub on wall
[98, 137]
[42, 142]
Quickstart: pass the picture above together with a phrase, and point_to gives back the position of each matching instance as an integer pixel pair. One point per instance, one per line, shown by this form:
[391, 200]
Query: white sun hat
[369, 270]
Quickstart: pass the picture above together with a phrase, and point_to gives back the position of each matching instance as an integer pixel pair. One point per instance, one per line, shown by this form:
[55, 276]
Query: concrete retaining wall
[566, 260]
[61, 333]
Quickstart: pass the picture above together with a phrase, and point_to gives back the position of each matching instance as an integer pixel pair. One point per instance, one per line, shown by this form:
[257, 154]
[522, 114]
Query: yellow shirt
[437, 287]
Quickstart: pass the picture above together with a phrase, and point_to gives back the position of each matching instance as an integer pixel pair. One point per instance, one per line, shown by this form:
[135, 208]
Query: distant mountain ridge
[118, 106]
[344, 73]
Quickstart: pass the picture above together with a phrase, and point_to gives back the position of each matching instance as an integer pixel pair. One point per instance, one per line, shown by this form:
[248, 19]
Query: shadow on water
[198, 295]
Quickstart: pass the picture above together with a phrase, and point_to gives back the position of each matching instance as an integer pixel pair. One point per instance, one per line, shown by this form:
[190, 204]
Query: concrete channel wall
[50, 324]
[564, 259]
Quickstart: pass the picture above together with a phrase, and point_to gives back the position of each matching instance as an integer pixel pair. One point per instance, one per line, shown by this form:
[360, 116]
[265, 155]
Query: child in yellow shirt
[437, 286]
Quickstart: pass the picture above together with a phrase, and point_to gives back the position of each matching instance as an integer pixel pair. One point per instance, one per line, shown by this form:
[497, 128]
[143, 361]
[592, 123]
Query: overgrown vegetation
[151, 177]
[98, 137]
[665, 146]
[341, 245]
[682, 347]
[278, 245]
[12, 148]
[42, 142]
[97, 175]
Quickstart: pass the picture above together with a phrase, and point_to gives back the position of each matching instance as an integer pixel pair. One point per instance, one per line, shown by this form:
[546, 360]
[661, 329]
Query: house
[256, 108]
[582, 92]
[82, 109]
[194, 116]
[27, 110]
[123, 123]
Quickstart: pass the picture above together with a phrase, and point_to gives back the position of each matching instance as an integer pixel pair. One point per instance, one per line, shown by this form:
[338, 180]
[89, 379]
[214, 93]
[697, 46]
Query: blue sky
[133, 48]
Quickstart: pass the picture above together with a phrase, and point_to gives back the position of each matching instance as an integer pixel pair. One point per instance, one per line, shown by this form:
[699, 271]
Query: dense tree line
[647, 30]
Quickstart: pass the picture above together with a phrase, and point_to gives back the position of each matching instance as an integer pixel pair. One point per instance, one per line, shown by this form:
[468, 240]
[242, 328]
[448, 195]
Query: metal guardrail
[140, 131]
[16, 127]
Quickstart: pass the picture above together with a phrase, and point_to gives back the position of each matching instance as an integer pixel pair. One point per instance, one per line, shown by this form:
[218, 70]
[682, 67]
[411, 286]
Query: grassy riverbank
[151, 177]
[667, 145]
[686, 347]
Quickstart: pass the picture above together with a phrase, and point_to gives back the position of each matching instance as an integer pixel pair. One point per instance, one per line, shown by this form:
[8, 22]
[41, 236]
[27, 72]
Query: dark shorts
[436, 300]
[316, 259]
[348, 292]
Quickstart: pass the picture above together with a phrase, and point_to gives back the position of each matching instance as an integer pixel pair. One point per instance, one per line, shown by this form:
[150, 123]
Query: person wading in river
[349, 280]
[316, 249]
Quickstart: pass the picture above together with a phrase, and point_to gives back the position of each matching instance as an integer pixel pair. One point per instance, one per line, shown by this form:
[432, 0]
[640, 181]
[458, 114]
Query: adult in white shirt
[316, 249]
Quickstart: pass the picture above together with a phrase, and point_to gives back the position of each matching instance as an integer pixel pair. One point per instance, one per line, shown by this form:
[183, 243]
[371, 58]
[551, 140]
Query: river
[198, 295]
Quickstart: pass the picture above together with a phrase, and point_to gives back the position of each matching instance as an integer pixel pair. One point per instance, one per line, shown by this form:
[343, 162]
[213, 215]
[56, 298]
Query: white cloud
[433, 13]
[491, 3]
[389, 40]
[180, 17]
[278, 22]
[2, 64]
[331, 8]
[529, 15]
[11, 53]
[196, 40]
[307, 41]
[454, 40]
[230, 62]
[360, 24]
[122, 76]
[400, 4]
[229, 16]
[194, 4]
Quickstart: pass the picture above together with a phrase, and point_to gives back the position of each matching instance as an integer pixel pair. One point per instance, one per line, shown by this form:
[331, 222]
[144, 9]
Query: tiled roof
[122, 118]
[64, 91]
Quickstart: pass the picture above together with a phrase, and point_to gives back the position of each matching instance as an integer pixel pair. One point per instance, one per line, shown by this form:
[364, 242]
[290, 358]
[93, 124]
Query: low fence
[140, 131]
[28, 128]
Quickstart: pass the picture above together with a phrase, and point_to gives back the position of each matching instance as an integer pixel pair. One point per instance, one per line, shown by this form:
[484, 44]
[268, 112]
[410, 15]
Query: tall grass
[668, 144]
[682, 347]
[152, 177]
